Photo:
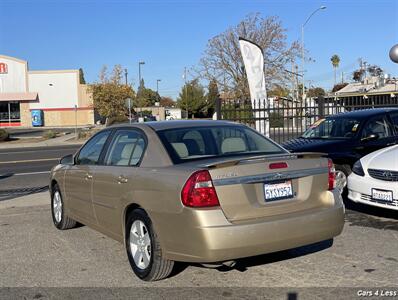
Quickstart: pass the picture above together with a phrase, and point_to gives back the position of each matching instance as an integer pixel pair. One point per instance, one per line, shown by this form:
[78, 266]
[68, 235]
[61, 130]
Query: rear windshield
[187, 144]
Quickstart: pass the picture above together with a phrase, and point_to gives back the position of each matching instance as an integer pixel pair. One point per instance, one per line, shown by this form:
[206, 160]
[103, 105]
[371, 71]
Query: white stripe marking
[31, 173]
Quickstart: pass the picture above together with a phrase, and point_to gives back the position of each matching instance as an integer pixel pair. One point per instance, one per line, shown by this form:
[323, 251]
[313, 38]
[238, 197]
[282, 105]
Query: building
[372, 91]
[56, 95]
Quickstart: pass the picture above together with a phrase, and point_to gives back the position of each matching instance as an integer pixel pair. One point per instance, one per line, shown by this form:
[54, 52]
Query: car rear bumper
[360, 190]
[225, 241]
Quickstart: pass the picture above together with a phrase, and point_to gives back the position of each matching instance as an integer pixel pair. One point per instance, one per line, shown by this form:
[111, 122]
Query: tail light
[332, 175]
[278, 165]
[199, 191]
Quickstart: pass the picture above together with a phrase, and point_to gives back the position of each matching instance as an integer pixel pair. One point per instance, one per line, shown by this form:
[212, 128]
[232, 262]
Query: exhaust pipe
[229, 264]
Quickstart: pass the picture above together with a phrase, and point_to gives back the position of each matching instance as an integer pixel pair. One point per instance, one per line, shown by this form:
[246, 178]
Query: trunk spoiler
[272, 157]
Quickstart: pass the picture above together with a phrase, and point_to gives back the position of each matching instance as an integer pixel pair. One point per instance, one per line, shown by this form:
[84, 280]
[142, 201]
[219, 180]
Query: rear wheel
[143, 248]
[60, 219]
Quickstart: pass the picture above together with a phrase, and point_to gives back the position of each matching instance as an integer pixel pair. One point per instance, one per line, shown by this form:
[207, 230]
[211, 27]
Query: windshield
[187, 144]
[332, 128]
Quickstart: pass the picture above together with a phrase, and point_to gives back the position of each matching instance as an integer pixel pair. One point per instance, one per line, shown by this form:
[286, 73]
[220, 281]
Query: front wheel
[342, 173]
[143, 248]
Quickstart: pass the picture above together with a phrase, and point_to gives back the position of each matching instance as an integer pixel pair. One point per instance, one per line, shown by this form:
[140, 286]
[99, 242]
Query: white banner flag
[253, 59]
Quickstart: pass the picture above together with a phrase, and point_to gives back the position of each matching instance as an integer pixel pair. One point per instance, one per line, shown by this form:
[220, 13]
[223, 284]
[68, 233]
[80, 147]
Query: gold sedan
[195, 191]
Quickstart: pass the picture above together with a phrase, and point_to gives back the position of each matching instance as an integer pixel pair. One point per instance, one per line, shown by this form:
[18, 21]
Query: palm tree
[335, 59]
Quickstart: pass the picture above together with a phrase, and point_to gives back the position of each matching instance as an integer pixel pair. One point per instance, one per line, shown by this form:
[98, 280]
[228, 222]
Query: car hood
[383, 159]
[317, 145]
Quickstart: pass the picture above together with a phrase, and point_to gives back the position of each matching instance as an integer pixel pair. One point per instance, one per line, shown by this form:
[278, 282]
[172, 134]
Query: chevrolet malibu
[195, 191]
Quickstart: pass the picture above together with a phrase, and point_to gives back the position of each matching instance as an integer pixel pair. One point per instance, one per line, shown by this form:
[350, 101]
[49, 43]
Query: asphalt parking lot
[35, 254]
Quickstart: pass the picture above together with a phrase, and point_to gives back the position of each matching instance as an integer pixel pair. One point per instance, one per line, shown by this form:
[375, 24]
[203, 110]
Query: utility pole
[125, 75]
[186, 92]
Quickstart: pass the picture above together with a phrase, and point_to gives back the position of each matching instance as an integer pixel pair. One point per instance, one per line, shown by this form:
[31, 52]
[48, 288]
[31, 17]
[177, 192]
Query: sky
[170, 35]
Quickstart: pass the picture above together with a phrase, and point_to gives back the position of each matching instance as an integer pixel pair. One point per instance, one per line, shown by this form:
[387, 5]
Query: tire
[60, 219]
[340, 171]
[139, 232]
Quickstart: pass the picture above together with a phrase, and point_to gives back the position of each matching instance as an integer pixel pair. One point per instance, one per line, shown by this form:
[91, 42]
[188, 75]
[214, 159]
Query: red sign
[3, 68]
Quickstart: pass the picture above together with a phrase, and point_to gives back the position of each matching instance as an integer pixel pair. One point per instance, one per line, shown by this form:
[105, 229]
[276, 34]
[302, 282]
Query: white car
[374, 179]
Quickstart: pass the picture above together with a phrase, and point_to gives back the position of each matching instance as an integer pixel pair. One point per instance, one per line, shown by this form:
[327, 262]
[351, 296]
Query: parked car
[195, 191]
[374, 179]
[348, 136]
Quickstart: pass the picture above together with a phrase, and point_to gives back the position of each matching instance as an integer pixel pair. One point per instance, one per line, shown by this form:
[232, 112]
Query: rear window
[187, 144]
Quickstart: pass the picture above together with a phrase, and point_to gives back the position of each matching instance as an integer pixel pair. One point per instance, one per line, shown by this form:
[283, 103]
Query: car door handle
[88, 176]
[122, 179]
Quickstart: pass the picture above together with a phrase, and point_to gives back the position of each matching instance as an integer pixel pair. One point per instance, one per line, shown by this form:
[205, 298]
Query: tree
[167, 102]
[212, 96]
[335, 59]
[192, 98]
[81, 76]
[358, 75]
[375, 70]
[222, 59]
[316, 92]
[145, 96]
[110, 94]
[339, 86]
[278, 91]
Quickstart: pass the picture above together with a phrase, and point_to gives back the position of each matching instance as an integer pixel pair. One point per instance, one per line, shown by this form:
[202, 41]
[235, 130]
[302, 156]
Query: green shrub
[275, 120]
[4, 135]
[49, 134]
[116, 120]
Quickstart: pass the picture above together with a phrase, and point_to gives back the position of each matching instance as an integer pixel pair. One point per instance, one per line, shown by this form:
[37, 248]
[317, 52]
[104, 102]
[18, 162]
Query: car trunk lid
[264, 186]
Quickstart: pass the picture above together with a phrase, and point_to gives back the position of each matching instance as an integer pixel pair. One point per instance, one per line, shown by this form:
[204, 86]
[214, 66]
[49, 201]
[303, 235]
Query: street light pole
[302, 49]
[157, 85]
[139, 71]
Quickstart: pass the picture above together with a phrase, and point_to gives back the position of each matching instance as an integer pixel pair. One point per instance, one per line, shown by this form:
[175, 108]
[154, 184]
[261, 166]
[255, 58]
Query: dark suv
[346, 137]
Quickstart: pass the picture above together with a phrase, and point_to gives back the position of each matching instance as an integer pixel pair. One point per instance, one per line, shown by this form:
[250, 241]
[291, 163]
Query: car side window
[378, 126]
[126, 149]
[394, 118]
[90, 153]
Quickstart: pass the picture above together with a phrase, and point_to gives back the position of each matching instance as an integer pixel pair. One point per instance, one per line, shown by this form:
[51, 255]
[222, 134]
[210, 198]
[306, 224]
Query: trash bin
[37, 118]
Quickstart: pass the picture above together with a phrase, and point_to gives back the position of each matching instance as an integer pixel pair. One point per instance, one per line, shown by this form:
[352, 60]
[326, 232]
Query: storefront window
[9, 112]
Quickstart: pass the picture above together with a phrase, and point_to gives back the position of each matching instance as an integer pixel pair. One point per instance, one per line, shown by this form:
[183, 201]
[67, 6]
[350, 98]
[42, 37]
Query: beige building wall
[68, 117]
[25, 114]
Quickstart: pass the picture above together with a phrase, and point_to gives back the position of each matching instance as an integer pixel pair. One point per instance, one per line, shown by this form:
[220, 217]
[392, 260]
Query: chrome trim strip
[270, 176]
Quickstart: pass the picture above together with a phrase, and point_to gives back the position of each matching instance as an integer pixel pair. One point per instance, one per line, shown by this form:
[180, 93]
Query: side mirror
[67, 160]
[371, 137]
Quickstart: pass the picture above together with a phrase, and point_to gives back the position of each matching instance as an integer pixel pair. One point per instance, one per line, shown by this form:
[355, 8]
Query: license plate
[278, 191]
[382, 195]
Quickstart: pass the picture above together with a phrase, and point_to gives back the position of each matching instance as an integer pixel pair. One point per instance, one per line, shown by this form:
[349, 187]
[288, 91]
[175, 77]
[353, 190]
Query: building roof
[32, 96]
[370, 86]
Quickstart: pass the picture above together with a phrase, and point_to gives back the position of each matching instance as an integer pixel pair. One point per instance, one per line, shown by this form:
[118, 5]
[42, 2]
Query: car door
[79, 177]
[381, 127]
[114, 179]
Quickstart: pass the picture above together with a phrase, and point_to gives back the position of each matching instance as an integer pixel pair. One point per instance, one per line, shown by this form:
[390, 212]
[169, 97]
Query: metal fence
[288, 119]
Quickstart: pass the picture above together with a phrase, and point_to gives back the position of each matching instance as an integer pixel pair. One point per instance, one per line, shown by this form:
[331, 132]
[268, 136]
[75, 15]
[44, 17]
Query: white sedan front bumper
[360, 190]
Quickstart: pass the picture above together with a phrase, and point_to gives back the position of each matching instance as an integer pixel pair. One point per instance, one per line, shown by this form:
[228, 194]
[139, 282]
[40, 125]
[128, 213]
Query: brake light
[278, 165]
[199, 191]
[332, 175]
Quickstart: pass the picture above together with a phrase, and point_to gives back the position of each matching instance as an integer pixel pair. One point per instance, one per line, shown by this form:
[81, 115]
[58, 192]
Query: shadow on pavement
[14, 193]
[243, 264]
[5, 176]
[371, 210]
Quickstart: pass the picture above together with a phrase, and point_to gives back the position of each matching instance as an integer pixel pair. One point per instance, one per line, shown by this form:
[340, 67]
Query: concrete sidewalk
[37, 199]
[65, 140]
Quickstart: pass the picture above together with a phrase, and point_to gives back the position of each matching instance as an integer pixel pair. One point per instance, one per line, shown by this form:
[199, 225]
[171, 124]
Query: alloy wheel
[140, 244]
